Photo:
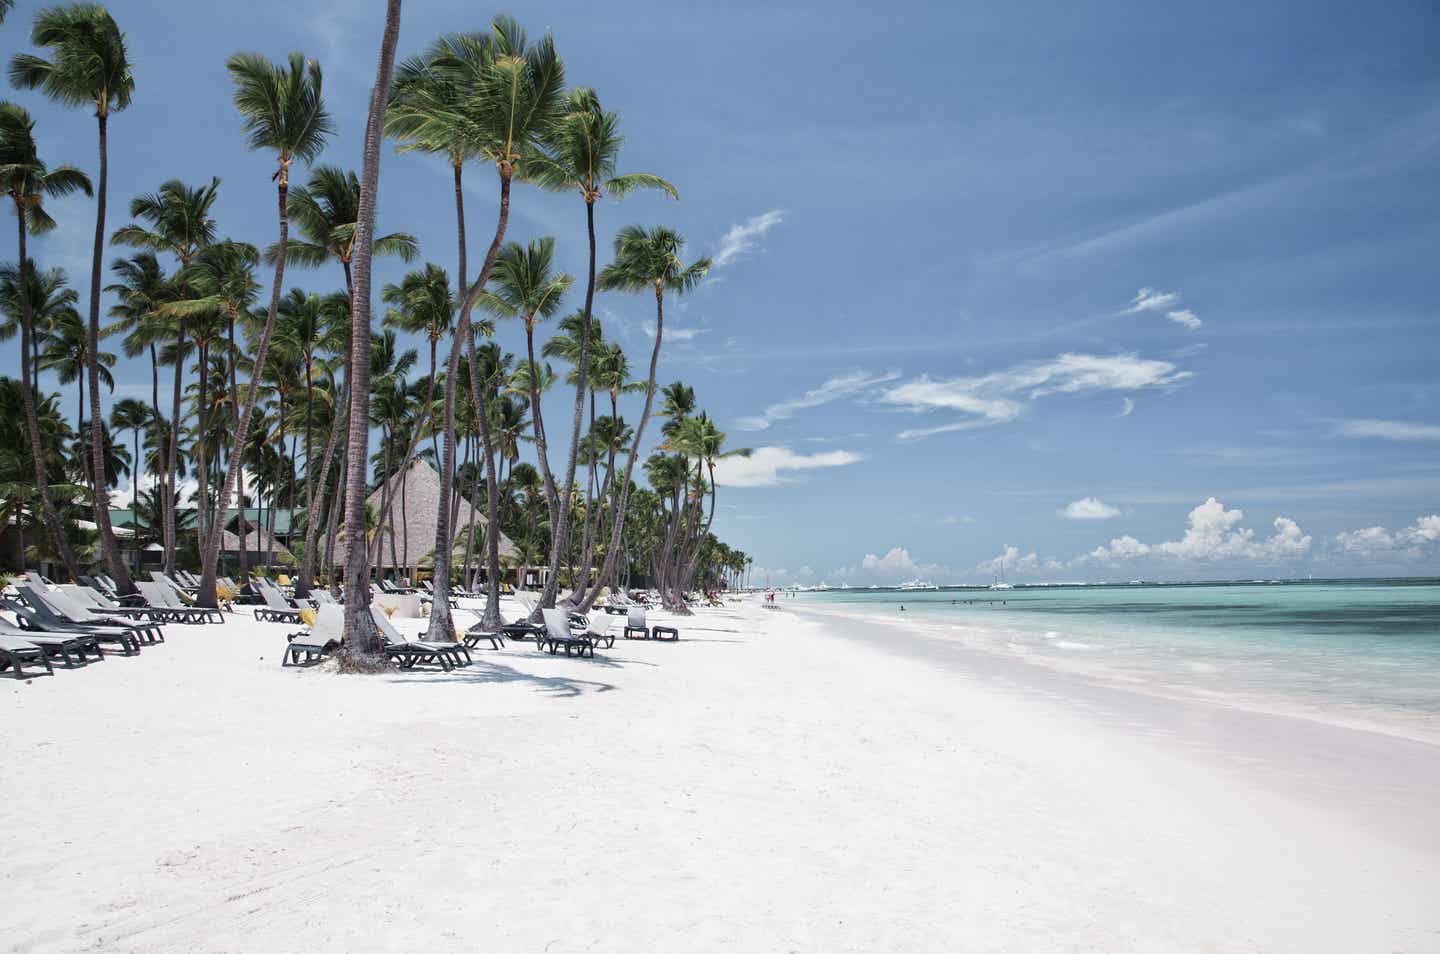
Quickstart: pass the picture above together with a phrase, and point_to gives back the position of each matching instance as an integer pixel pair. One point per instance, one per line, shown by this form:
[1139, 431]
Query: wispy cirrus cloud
[834, 389]
[1152, 299]
[770, 466]
[1003, 396]
[1166, 302]
[745, 237]
[1387, 430]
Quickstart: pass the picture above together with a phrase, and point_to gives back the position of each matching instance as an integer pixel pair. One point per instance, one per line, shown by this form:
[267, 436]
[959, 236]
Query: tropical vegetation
[269, 383]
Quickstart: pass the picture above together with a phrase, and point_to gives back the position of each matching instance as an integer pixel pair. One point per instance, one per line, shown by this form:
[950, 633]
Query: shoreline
[1393, 722]
[1293, 754]
[766, 784]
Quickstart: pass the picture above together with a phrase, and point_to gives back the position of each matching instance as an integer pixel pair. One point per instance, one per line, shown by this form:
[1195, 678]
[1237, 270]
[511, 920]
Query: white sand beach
[768, 783]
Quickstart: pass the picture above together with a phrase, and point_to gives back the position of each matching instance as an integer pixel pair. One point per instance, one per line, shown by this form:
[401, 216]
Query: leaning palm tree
[28, 182]
[363, 650]
[88, 67]
[284, 111]
[584, 147]
[177, 221]
[493, 96]
[646, 260]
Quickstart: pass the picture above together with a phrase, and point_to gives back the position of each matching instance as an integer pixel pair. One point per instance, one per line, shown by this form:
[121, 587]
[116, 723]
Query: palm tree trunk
[99, 491]
[210, 555]
[155, 405]
[440, 623]
[239, 441]
[32, 419]
[312, 524]
[559, 534]
[173, 456]
[587, 539]
[203, 476]
[363, 651]
[618, 525]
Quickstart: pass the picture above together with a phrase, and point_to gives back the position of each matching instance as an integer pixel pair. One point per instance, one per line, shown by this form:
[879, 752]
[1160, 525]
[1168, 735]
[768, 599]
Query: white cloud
[1388, 430]
[1425, 528]
[1088, 508]
[744, 238]
[1152, 299]
[834, 389]
[769, 466]
[1186, 317]
[675, 332]
[896, 561]
[896, 564]
[1365, 541]
[1212, 534]
[953, 519]
[1371, 540]
[999, 397]
[1010, 561]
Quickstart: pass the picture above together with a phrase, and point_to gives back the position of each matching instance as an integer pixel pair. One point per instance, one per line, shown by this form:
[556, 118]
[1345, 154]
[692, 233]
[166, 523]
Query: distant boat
[917, 584]
[1000, 583]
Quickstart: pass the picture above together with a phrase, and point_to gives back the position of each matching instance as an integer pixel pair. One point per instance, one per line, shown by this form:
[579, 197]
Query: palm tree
[421, 304]
[493, 96]
[141, 288]
[312, 328]
[324, 211]
[89, 67]
[178, 222]
[132, 414]
[66, 350]
[284, 111]
[525, 288]
[583, 150]
[645, 260]
[363, 651]
[219, 287]
[28, 181]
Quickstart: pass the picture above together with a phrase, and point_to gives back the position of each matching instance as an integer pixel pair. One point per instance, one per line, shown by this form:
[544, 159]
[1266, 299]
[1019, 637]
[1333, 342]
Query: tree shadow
[484, 672]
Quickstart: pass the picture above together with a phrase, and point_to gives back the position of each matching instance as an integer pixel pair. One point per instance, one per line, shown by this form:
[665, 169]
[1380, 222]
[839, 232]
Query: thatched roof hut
[259, 544]
[413, 511]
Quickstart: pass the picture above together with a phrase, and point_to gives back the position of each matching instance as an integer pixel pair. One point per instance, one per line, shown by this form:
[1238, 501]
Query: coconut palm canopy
[250, 384]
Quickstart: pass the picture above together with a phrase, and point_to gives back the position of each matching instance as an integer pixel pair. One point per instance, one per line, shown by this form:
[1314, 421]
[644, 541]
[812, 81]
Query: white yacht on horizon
[917, 584]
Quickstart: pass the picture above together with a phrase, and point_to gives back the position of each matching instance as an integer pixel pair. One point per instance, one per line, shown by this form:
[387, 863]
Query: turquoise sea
[1362, 651]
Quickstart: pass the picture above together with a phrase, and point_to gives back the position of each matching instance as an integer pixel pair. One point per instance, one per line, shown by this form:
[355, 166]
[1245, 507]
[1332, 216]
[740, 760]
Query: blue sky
[1039, 280]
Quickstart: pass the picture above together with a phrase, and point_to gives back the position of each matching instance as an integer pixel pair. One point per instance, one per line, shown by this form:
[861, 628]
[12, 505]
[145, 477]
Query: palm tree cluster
[297, 391]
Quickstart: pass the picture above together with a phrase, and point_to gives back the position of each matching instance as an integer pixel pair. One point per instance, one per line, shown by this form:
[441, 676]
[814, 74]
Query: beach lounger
[604, 634]
[636, 624]
[89, 595]
[181, 595]
[309, 646]
[47, 628]
[162, 599]
[559, 634]
[408, 653]
[76, 612]
[277, 609]
[72, 648]
[477, 633]
[16, 652]
[411, 653]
